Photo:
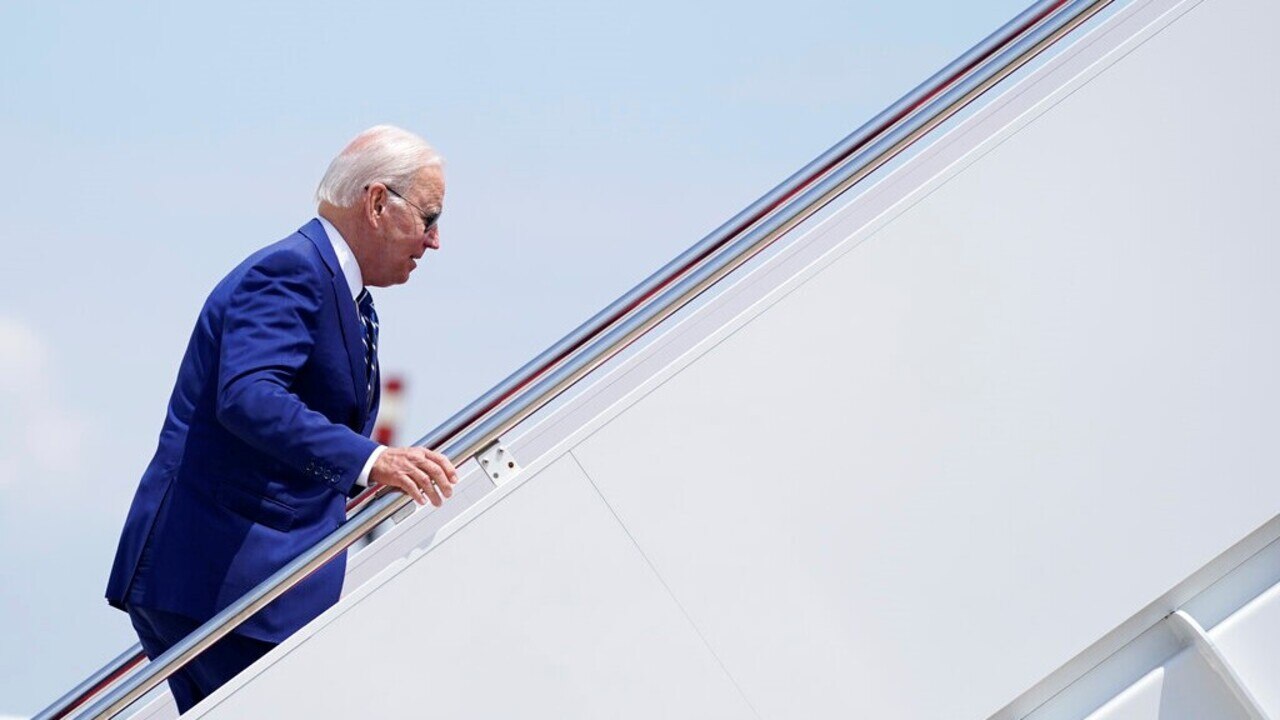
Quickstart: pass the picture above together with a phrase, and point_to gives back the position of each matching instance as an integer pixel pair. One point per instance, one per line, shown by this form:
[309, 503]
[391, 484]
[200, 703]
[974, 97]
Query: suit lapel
[353, 336]
[348, 314]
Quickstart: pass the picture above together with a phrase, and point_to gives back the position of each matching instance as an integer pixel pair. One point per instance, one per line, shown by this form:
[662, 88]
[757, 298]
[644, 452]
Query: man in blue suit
[267, 431]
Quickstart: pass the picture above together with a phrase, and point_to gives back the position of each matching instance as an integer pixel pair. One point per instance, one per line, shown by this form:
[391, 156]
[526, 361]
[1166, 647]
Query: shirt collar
[346, 259]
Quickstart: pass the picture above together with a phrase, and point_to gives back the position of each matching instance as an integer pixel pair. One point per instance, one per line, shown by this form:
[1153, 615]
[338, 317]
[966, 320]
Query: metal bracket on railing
[498, 463]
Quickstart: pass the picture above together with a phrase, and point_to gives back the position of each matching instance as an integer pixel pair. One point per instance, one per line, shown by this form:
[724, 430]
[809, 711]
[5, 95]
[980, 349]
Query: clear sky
[149, 147]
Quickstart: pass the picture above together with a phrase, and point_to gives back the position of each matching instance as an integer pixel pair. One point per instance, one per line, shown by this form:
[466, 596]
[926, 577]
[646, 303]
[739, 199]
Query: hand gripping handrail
[659, 296]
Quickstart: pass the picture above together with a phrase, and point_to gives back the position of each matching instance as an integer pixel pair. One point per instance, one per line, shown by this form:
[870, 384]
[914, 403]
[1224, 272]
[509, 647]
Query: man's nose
[433, 238]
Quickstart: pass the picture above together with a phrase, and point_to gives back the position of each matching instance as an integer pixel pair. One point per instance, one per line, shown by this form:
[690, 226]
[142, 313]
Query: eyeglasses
[429, 220]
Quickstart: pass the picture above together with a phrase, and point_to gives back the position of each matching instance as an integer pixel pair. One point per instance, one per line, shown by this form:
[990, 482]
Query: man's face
[400, 242]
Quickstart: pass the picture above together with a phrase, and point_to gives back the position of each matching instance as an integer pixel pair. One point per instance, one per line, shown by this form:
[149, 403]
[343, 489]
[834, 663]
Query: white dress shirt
[355, 283]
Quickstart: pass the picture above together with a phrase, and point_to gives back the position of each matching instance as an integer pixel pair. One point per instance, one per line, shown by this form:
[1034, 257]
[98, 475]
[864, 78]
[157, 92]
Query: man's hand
[421, 473]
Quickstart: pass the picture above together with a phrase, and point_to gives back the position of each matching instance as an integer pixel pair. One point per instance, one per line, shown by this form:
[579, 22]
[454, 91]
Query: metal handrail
[629, 317]
[105, 677]
[564, 349]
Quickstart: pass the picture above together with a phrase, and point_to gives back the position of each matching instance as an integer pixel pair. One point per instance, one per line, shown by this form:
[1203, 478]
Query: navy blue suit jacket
[267, 429]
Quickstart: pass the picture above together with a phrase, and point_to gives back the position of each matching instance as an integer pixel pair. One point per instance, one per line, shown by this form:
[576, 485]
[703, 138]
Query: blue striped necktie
[369, 320]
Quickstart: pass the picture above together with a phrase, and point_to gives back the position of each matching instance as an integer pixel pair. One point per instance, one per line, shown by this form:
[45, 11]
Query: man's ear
[375, 203]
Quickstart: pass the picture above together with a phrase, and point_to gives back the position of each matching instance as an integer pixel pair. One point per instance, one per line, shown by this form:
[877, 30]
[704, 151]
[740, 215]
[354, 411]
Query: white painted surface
[1250, 640]
[541, 606]
[946, 451]
[1182, 689]
[415, 532]
[914, 478]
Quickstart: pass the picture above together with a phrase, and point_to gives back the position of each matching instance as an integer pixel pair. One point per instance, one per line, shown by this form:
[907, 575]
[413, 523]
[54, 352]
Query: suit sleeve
[268, 332]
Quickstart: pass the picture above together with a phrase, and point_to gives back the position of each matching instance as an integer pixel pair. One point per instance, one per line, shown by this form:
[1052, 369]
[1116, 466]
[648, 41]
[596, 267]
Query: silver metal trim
[659, 296]
[108, 675]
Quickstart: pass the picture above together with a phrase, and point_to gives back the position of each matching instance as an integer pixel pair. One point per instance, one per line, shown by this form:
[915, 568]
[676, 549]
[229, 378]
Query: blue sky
[149, 147]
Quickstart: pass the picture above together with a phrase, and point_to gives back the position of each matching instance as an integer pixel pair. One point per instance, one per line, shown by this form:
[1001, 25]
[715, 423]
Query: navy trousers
[160, 631]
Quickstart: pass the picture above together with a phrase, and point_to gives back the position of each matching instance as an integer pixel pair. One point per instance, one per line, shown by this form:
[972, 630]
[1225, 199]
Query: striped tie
[369, 319]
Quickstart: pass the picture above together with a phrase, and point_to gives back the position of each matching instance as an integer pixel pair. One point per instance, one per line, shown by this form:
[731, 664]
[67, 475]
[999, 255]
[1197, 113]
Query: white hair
[383, 153]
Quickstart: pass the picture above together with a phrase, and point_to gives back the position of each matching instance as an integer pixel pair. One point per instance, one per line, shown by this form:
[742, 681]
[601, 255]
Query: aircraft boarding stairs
[974, 417]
